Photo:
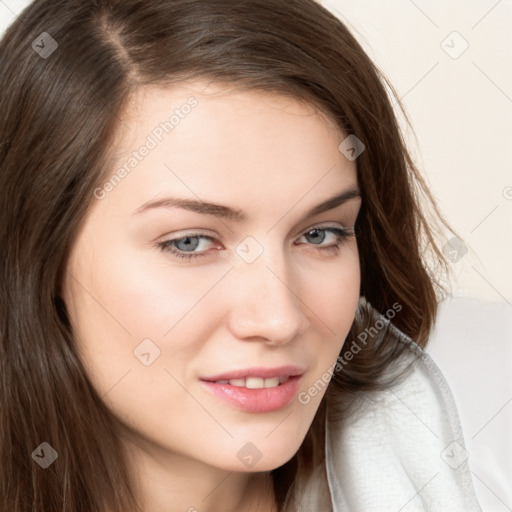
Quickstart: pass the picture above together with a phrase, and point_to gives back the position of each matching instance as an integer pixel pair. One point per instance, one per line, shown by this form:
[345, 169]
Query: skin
[273, 157]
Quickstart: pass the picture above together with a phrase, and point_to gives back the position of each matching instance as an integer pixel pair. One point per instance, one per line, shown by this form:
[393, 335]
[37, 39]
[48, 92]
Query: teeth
[255, 382]
[271, 383]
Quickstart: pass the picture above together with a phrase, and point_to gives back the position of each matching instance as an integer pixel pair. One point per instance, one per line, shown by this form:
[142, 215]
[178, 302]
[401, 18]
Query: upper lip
[265, 373]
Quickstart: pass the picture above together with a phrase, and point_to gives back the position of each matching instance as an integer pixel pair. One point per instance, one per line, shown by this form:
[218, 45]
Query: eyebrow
[234, 214]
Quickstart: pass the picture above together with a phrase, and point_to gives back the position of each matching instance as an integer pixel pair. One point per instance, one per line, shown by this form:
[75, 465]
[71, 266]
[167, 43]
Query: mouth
[254, 382]
[256, 390]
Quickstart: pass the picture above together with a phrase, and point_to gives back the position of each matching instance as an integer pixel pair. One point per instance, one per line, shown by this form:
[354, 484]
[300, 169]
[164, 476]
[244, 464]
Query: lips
[256, 389]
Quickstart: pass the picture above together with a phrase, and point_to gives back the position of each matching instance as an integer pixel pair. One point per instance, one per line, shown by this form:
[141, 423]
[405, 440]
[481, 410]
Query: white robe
[402, 450]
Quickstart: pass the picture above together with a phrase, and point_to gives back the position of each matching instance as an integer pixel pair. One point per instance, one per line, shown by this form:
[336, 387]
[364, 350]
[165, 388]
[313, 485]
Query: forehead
[215, 97]
[191, 110]
[214, 141]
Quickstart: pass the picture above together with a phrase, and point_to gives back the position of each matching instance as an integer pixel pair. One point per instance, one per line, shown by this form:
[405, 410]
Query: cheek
[144, 295]
[128, 305]
[136, 327]
[335, 304]
[334, 292]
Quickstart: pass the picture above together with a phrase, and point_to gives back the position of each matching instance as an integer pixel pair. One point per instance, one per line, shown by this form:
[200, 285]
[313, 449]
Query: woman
[213, 264]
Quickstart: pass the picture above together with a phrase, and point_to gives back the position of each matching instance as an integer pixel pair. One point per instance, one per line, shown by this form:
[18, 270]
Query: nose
[265, 301]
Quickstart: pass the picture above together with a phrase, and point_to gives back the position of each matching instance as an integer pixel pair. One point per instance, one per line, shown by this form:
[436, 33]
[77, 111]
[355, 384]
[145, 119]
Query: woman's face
[201, 329]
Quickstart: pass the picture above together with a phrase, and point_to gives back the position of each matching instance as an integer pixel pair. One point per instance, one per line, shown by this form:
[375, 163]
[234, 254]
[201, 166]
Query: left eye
[184, 247]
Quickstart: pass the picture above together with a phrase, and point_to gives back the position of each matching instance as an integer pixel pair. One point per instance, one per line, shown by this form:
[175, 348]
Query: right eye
[188, 244]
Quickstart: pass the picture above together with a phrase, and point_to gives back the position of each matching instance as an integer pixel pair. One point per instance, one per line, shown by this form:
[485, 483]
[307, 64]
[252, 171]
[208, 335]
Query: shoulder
[402, 447]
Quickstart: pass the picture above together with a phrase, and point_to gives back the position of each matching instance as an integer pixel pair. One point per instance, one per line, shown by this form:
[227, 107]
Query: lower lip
[256, 400]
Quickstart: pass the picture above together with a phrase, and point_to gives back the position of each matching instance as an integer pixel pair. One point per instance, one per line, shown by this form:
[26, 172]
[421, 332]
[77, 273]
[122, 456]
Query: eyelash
[342, 234]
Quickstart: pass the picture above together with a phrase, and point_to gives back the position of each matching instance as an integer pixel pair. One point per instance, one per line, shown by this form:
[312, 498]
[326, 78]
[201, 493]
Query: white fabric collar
[403, 449]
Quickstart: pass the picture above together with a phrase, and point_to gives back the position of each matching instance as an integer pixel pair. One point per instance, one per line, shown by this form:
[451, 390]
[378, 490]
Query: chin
[263, 455]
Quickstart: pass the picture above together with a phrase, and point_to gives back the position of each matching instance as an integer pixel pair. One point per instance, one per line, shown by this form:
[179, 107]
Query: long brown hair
[69, 68]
